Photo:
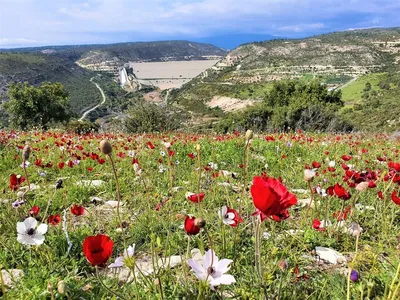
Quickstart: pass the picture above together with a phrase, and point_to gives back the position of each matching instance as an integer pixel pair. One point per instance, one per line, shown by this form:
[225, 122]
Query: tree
[37, 106]
[149, 117]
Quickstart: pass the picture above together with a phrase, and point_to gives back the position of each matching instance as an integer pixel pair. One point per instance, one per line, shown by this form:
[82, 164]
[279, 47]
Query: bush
[82, 127]
[149, 117]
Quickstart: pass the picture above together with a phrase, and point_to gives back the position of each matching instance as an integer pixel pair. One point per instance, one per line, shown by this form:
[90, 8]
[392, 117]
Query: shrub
[82, 127]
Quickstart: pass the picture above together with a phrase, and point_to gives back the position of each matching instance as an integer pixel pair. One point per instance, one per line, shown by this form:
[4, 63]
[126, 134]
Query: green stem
[107, 288]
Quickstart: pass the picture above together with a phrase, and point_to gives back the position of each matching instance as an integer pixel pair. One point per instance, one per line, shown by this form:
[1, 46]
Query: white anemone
[227, 217]
[29, 233]
[212, 270]
[119, 262]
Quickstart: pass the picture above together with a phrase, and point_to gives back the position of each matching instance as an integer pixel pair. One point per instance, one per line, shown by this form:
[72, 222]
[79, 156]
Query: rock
[304, 202]
[330, 255]
[32, 187]
[145, 265]
[5, 201]
[111, 204]
[11, 276]
[88, 183]
[300, 191]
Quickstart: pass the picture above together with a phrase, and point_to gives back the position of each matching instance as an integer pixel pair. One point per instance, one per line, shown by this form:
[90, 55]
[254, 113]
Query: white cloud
[79, 21]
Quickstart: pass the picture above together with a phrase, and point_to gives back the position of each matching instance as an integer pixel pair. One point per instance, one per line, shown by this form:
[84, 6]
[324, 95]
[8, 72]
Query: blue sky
[224, 22]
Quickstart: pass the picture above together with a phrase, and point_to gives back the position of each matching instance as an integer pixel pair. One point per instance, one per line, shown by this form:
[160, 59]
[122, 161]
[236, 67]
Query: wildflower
[17, 203]
[190, 225]
[212, 270]
[354, 275]
[395, 198]
[29, 233]
[270, 196]
[316, 165]
[77, 210]
[150, 145]
[34, 211]
[346, 157]
[25, 164]
[309, 174]
[120, 261]
[54, 219]
[97, 249]
[192, 155]
[131, 153]
[230, 216]
[339, 191]
[16, 181]
[321, 225]
[105, 147]
[59, 184]
[195, 197]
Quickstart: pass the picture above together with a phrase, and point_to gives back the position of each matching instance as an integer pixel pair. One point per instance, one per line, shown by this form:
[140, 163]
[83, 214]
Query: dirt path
[93, 108]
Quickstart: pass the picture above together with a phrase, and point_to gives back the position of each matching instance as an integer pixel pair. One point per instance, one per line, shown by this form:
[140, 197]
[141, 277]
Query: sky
[225, 23]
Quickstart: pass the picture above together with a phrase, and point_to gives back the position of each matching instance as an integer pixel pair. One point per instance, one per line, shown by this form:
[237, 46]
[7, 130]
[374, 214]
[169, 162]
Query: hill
[74, 66]
[247, 72]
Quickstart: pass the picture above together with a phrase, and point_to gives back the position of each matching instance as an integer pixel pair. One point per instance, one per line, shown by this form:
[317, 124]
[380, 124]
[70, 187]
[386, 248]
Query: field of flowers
[178, 216]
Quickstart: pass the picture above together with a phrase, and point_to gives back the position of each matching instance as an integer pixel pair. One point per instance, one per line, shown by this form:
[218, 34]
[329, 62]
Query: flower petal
[38, 238]
[224, 210]
[223, 265]
[42, 229]
[119, 262]
[198, 269]
[25, 239]
[223, 279]
[30, 223]
[230, 215]
[209, 259]
[21, 228]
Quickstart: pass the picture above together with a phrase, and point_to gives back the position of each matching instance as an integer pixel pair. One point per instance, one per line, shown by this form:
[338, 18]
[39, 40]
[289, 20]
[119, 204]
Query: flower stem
[107, 288]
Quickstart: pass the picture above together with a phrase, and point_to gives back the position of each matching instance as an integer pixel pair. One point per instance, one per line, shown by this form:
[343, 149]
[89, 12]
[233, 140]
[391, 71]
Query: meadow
[185, 216]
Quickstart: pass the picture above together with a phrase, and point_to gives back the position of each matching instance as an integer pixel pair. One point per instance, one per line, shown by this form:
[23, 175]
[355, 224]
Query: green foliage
[82, 127]
[149, 117]
[289, 105]
[379, 109]
[37, 106]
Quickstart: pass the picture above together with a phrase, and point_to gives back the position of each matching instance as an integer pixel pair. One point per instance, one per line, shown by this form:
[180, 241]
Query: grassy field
[273, 255]
[352, 93]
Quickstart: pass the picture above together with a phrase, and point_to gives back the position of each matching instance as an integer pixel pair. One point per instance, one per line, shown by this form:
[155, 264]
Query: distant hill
[248, 71]
[73, 66]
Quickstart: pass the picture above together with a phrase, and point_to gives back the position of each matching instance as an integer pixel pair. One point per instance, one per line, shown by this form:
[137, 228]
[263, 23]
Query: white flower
[309, 174]
[227, 217]
[162, 153]
[137, 169]
[321, 192]
[161, 169]
[62, 148]
[119, 262]
[29, 233]
[212, 270]
[213, 166]
[25, 164]
[331, 163]
[131, 153]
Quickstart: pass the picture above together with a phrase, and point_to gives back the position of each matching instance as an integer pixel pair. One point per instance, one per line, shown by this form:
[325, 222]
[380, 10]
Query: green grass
[352, 93]
[159, 233]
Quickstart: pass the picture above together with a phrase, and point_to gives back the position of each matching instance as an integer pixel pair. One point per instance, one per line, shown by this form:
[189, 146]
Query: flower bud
[362, 186]
[354, 275]
[61, 287]
[105, 147]
[283, 265]
[26, 152]
[156, 282]
[249, 135]
[201, 223]
[309, 174]
[198, 147]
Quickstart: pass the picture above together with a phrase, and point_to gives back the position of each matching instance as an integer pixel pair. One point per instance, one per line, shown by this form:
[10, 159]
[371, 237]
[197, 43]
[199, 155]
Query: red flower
[150, 145]
[339, 191]
[54, 219]
[380, 195]
[15, 181]
[283, 215]
[394, 166]
[101, 161]
[317, 225]
[395, 198]
[346, 157]
[39, 162]
[61, 165]
[34, 211]
[316, 165]
[192, 155]
[196, 198]
[230, 216]
[77, 210]
[98, 249]
[190, 226]
[270, 196]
